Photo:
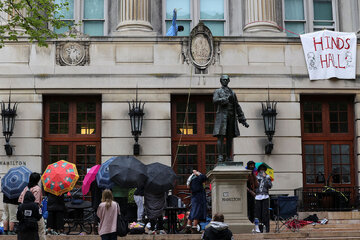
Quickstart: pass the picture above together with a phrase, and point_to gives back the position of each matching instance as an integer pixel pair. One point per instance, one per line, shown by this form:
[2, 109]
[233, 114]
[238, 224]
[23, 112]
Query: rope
[275, 25]
[186, 115]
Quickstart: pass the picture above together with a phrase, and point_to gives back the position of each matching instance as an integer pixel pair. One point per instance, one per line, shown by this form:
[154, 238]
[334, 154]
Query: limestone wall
[156, 67]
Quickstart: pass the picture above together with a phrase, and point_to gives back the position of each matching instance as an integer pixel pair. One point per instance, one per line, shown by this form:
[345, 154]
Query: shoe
[53, 232]
[186, 230]
[5, 232]
[194, 230]
[324, 221]
[257, 229]
[11, 233]
[151, 232]
[161, 232]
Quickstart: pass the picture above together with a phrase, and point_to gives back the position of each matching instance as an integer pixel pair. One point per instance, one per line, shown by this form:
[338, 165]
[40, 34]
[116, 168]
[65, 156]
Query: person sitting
[28, 215]
[217, 229]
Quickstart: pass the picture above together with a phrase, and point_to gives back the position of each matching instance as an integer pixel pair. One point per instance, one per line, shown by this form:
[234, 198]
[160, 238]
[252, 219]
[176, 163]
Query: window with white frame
[302, 16]
[190, 12]
[90, 13]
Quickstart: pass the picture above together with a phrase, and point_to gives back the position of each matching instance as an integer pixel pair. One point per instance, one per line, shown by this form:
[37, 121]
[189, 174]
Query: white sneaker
[324, 221]
[151, 232]
[161, 232]
[256, 229]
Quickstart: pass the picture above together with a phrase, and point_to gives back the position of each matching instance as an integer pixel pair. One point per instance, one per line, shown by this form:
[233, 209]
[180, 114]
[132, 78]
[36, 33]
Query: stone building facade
[92, 78]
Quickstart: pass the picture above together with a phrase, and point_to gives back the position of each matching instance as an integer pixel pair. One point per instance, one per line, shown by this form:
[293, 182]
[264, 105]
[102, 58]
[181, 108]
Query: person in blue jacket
[174, 29]
[198, 200]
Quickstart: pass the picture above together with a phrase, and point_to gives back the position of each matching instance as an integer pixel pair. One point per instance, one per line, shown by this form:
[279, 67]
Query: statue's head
[224, 79]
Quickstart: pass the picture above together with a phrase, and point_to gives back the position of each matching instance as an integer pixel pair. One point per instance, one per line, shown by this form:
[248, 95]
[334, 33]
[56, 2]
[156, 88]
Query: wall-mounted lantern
[269, 116]
[136, 113]
[8, 115]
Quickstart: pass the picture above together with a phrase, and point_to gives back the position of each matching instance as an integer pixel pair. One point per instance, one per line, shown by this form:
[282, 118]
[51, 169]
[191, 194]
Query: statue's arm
[219, 100]
[240, 113]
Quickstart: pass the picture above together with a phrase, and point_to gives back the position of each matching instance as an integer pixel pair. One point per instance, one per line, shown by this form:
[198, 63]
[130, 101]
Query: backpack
[122, 226]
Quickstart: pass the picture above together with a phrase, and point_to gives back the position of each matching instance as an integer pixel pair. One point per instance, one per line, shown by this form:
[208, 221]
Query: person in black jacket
[56, 210]
[28, 215]
[217, 229]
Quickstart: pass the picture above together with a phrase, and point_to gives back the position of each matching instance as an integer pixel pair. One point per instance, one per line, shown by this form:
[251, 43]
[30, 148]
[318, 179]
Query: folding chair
[286, 213]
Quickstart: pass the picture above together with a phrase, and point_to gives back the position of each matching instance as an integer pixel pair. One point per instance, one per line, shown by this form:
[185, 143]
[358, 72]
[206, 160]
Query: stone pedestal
[229, 197]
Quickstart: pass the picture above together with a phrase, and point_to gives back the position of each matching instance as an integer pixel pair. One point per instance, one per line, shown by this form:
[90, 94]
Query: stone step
[332, 215]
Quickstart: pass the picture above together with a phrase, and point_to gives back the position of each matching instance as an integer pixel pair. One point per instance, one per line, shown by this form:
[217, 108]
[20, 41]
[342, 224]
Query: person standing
[227, 111]
[139, 200]
[262, 214]
[36, 190]
[198, 200]
[217, 229]
[56, 213]
[107, 212]
[252, 184]
[28, 215]
[154, 208]
[9, 214]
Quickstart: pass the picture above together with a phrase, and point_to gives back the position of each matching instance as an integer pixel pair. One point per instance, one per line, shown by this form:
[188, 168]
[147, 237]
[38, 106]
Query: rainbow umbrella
[60, 177]
[269, 170]
[89, 178]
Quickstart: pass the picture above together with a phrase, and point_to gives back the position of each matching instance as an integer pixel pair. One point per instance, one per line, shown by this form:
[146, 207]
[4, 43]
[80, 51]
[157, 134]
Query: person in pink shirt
[108, 211]
[35, 189]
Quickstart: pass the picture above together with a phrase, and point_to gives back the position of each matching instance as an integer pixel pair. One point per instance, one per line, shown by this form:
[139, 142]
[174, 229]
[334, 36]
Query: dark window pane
[309, 158]
[309, 148]
[81, 117]
[193, 149]
[181, 106]
[317, 117]
[343, 116]
[54, 117]
[64, 149]
[91, 160]
[91, 107]
[80, 159]
[333, 117]
[334, 127]
[64, 128]
[319, 149]
[319, 169]
[53, 128]
[81, 107]
[346, 179]
[342, 106]
[91, 117]
[308, 128]
[317, 128]
[54, 107]
[335, 159]
[80, 149]
[192, 107]
[307, 106]
[345, 159]
[209, 107]
[209, 117]
[192, 117]
[346, 169]
[345, 149]
[343, 127]
[335, 149]
[333, 107]
[319, 159]
[316, 106]
[64, 107]
[91, 149]
[180, 118]
[310, 179]
[64, 117]
[310, 169]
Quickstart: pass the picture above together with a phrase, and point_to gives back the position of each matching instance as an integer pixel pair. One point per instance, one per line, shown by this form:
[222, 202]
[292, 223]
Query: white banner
[330, 54]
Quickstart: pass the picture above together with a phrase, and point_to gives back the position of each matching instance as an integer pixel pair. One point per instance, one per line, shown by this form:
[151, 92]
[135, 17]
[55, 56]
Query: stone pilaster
[260, 15]
[134, 15]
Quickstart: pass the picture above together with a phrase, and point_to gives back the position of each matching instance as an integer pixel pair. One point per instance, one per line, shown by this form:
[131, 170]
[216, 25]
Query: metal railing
[328, 198]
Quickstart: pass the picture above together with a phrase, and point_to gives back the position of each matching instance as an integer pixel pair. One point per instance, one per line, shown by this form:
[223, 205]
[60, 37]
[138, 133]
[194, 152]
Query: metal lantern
[269, 116]
[8, 115]
[136, 113]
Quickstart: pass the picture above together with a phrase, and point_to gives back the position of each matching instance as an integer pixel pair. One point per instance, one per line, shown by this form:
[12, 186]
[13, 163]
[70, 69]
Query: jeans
[139, 200]
[109, 236]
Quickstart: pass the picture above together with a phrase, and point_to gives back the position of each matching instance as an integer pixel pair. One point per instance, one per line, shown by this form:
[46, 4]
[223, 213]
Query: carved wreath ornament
[201, 46]
[72, 54]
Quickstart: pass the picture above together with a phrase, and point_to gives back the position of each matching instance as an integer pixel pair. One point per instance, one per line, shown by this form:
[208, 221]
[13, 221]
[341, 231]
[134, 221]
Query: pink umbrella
[89, 178]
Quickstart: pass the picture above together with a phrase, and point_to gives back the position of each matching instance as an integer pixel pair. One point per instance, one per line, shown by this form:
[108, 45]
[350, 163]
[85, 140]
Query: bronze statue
[227, 111]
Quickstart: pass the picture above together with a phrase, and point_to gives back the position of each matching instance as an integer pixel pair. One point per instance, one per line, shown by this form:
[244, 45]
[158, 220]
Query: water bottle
[179, 203]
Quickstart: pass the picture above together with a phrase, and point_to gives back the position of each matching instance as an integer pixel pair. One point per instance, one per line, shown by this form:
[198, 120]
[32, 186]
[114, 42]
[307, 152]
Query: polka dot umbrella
[14, 181]
[60, 177]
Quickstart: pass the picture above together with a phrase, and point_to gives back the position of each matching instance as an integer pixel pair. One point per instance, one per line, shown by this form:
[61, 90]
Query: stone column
[260, 15]
[134, 15]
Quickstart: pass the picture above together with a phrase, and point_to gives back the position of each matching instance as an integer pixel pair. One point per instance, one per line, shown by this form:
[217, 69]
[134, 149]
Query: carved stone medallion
[72, 53]
[201, 46]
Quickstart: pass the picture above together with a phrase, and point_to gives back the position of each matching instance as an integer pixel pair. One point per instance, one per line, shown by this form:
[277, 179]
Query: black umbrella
[127, 171]
[161, 178]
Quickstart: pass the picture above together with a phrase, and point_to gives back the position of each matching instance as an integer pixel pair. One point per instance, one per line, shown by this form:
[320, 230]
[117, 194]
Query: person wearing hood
[28, 215]
[262, 214]
[36, 190]
[154, 204]
[217, 229]
[252, 184]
